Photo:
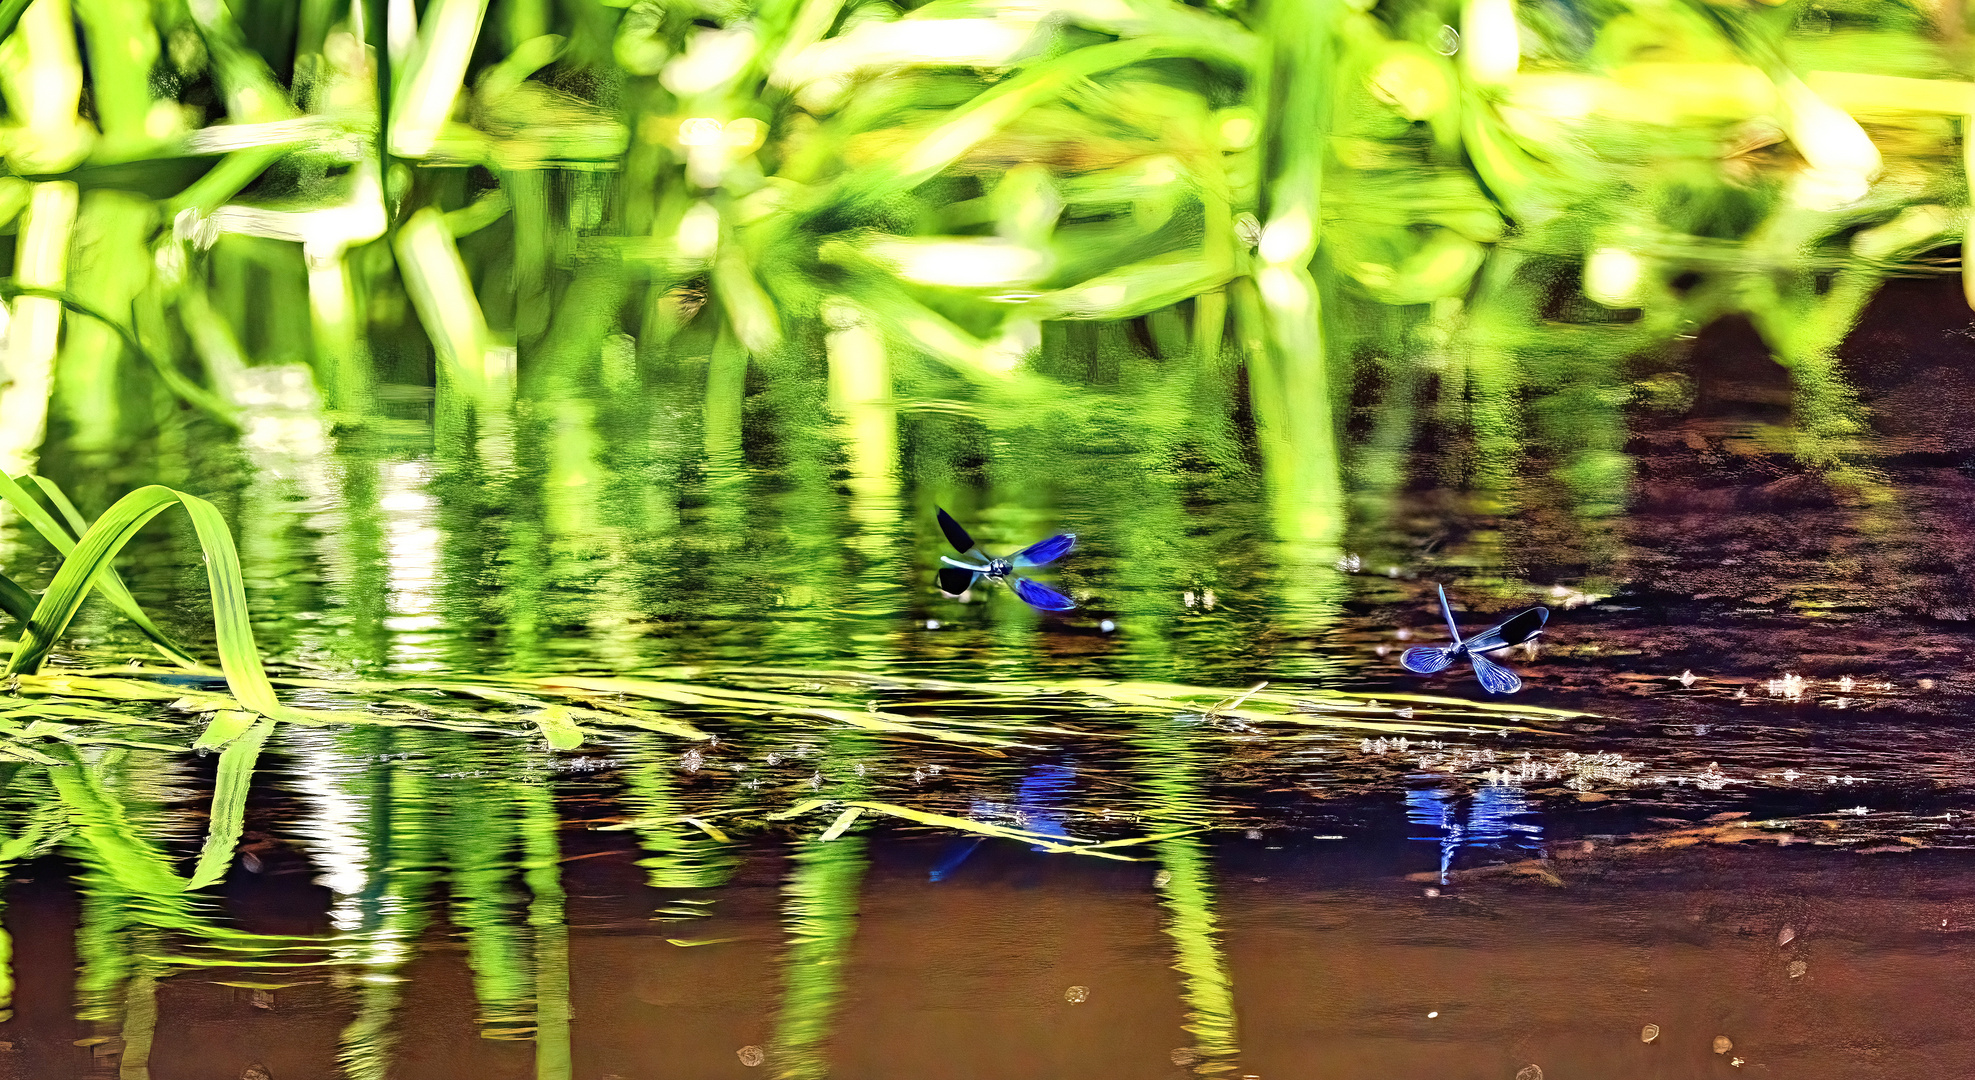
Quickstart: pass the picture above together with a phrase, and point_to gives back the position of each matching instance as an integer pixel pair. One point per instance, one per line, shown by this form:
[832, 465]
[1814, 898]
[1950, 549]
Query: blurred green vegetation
[1033, 219]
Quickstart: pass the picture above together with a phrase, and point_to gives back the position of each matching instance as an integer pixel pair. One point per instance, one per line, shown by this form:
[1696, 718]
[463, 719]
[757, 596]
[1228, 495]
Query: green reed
[537, 199]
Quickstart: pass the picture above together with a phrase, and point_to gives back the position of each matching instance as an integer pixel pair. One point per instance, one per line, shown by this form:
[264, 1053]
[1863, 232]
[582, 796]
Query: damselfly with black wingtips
[1496, 679]
[958, 576]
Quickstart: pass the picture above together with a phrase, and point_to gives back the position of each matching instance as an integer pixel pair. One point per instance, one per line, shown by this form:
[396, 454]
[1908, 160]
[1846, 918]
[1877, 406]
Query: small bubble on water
[1649, 1033]
[932, 624]
[1786, 936]
[1797, 969]
[1077, 995]
[751, 1055]
[1107, 626]
[1530, 1072]
[1723, 1044]
[1432, 893]
[1448, 41]
[1254, 834]
[1433, 1015]
[1163, 878]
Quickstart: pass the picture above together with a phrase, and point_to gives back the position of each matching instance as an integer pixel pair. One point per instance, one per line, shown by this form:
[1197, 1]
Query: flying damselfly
[1496, 679]
[957, 576]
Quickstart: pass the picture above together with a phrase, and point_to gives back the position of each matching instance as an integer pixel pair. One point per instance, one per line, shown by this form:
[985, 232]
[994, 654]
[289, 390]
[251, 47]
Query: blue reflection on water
[1491, 820]
[1041, 789]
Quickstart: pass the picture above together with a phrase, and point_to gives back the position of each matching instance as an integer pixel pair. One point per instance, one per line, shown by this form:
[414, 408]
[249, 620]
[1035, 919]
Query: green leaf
[236, 775]
[110, 585]
[87, 564]
[558, 727]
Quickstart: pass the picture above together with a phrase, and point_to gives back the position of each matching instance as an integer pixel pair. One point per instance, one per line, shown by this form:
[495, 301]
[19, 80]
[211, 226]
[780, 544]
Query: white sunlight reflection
[334, 832]
[411, 554]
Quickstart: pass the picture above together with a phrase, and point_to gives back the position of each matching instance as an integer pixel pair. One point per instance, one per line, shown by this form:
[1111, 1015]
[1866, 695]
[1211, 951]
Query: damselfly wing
[960, 574]
[1494, 678]
[953, 581]
[1514, 630]
[1038, 595]
[1427, 659]
[955, 535]
[1044, 552]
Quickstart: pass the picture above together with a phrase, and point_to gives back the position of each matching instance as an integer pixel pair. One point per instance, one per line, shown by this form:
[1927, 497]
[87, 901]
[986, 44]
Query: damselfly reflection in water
[1042, 788]
[958, 576]
[1498, 815]
[1496, 679]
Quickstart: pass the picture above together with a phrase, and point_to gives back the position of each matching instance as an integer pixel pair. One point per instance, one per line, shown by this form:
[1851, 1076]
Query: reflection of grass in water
[820, 907]
[987, 268]
[1188, 893]
[1172, 772]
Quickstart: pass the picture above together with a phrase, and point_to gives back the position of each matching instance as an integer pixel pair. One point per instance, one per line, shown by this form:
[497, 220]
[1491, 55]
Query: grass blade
[14, 600]
[843, 823]
[236, 775]
[85, 566]
[110, 584]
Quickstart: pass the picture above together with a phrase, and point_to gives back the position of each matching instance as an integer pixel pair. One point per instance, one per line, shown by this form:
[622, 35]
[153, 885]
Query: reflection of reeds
[821, 913]
[1316, 176]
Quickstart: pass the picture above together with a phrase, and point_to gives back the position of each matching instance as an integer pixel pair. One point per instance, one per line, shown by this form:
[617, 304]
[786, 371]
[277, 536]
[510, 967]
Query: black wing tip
[962, 541]
[954, 581]
[1524, 625]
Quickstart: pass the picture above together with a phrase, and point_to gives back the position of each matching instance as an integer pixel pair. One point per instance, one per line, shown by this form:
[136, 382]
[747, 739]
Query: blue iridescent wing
[1037, 595]
[1495, 678]
[1514, 630]
[955, 535]
[1426, 659]
[1045, 552]
[953, 581]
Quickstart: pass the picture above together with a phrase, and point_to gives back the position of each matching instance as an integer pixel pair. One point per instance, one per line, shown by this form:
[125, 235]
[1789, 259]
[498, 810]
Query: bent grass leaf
[788, 703]
[86, 565]
[236, 774]
[111, 585]
[983, 828]
[192, 393]
[23, 752]
[226, 726]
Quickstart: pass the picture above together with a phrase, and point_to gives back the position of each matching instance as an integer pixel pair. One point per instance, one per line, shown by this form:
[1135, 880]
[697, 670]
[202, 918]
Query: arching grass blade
[86, 565]
[110, 585]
